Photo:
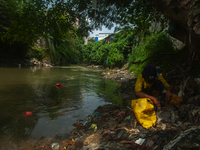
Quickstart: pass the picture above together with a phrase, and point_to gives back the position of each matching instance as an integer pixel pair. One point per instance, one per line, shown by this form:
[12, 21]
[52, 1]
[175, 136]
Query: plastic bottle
[55, 146]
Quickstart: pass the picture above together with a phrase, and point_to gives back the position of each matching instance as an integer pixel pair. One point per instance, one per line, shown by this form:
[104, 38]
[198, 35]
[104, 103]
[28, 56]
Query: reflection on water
[54, 109]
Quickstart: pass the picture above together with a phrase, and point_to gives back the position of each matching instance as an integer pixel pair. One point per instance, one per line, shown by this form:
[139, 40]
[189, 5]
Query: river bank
[115, 127]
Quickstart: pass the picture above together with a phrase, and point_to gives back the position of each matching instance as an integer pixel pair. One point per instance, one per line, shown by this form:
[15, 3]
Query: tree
[38, 18]
[185, 15]
[41, 17]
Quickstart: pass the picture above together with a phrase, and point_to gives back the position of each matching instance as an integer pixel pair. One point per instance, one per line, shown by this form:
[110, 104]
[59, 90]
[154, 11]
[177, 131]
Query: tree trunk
[186, 16]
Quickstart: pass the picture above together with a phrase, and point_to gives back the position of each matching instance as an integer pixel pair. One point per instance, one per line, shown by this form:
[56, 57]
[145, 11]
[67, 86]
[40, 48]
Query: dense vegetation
[23, 22]
[154, 48]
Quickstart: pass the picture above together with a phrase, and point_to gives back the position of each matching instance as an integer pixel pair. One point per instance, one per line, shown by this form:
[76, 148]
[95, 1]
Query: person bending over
[150, 84]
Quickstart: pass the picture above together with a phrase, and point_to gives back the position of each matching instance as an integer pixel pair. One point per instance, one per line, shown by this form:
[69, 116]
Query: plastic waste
[176, 100]
[107, 132]
[55, 146]
[171, 144]
[127, 118]
[163, 126]
[78, 125]
[28, 113]
[120, 115]
[179, 123]
[96, 113]
[143, 109]
[58, 85]
[73, 140]
[140, 141]
[93, 126]
[86, 122]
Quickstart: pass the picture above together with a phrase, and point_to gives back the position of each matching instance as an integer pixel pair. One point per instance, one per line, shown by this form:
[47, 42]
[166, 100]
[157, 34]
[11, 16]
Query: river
[54, 110]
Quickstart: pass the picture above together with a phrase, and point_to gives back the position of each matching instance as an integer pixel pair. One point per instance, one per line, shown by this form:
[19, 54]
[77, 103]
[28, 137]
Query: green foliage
[63, 55]
[28, 20]
[130, 13]
[115, 57]
[92, 53]
[39, 53]
[158, 46]
[99, 52]
[67, 50]
[43, 18]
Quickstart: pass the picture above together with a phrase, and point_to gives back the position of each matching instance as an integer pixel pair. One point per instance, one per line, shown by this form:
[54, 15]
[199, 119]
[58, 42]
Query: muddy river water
[54, 110]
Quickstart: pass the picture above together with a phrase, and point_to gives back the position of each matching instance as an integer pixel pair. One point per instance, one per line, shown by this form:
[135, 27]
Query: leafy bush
[39, 53]
[68, 49]
[92, 53]
[157, 47]
[99, 52]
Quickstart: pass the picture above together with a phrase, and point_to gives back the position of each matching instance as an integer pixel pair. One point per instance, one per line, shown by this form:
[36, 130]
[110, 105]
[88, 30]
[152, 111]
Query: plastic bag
[144, 112]
[176, 100]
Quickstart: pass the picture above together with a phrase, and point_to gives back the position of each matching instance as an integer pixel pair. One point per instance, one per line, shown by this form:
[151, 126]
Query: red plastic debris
[58, 85]
[120, 115]
[43, 146]
[28, 113]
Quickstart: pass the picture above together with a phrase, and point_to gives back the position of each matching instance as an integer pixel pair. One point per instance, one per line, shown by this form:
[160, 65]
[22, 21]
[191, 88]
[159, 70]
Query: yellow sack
[144, 112]
[176, 100]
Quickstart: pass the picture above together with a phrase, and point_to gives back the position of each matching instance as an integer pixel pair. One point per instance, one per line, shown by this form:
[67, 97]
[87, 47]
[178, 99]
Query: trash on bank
[73, 140]
[120, 115]
[144, 112]
[176, 100]
[96, 113]
[58, 85]
[55, 146]
[127, 118]
[86, 122]
[93, 126]
[78, 125]
[140, 141]
[28, 113]
[132, 131]
[172, 143]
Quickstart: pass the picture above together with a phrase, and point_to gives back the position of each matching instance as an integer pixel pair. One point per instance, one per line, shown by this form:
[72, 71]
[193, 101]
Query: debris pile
[114, 127]
[118, 75]
[35, 62]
